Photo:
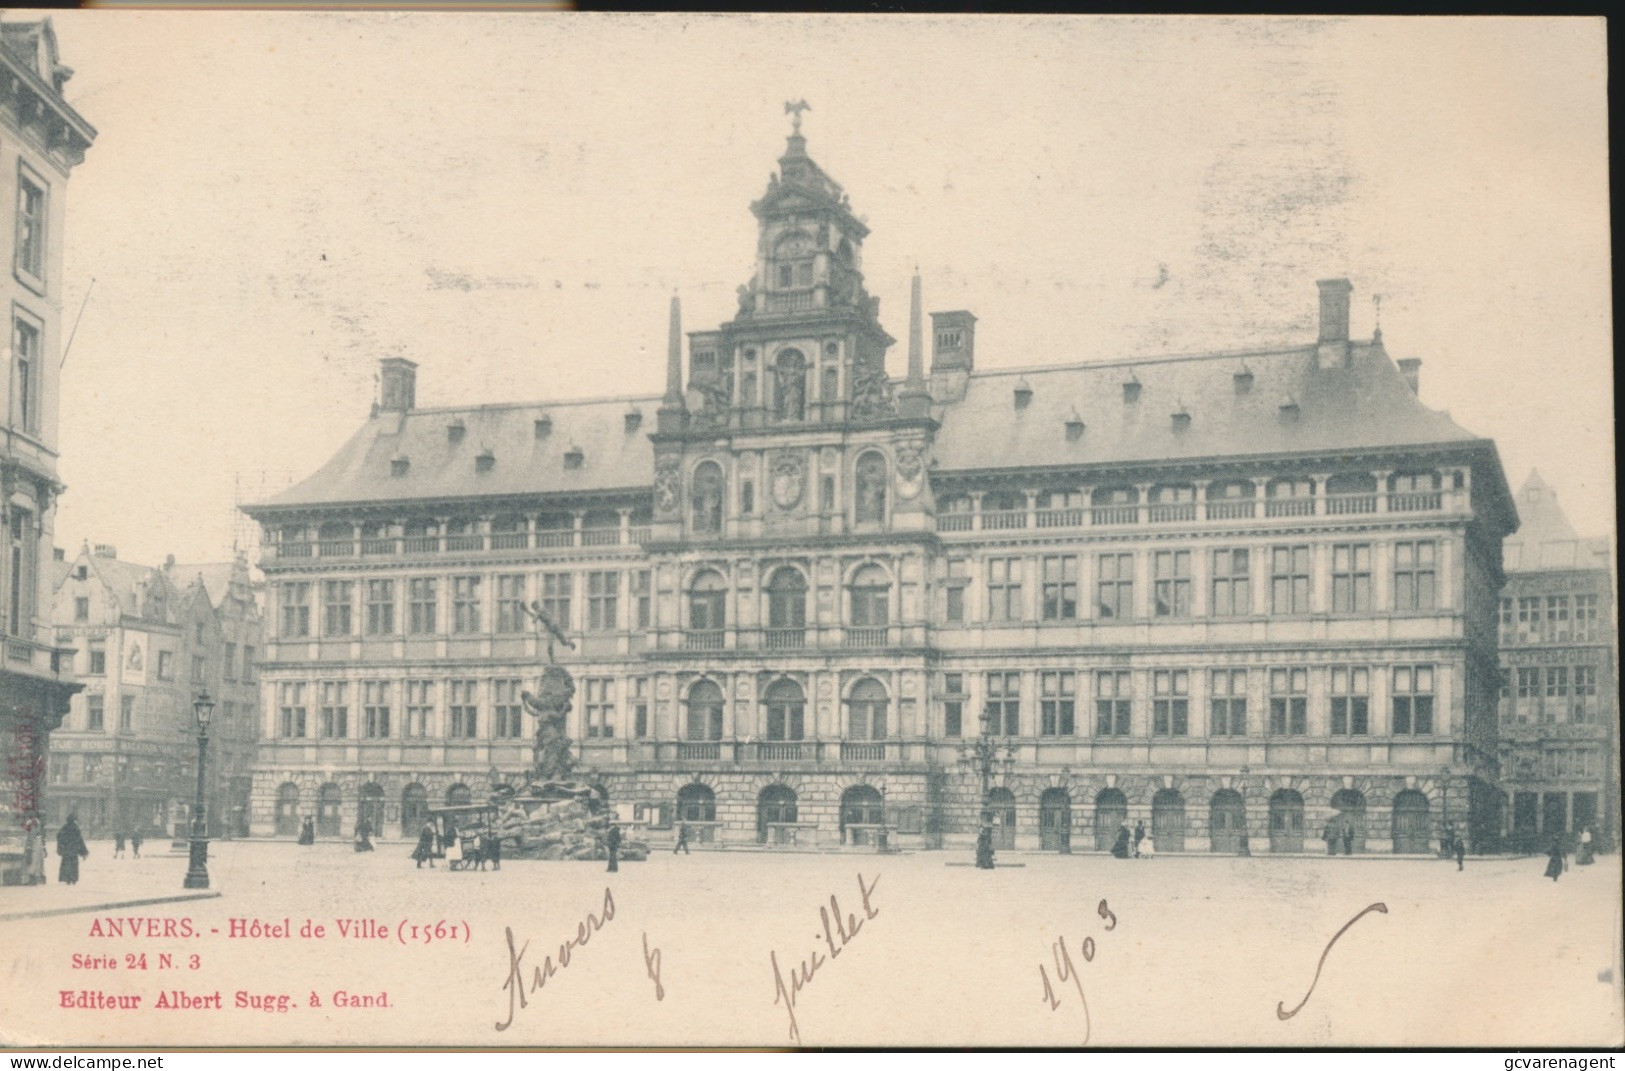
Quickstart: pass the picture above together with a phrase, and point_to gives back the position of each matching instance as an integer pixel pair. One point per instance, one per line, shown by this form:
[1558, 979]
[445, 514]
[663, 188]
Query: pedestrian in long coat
[118, 844]
[1330, 836]
[613, 841]
[1585, 856]
[1121, 848]
[135, 843]
[70, 848]
[1461, 852]
[984, 848]
[425, 848]
[1554, 859]
[307, 831]
[1139, 835]
[363, 837]
[682, 840]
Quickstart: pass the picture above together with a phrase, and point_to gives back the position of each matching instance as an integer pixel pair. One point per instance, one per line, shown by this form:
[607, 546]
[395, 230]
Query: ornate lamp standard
[983, 754]
[197, 872]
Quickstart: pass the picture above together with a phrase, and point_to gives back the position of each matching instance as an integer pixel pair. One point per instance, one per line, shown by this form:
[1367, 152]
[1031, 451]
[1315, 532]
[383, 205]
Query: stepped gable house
[1251, 591]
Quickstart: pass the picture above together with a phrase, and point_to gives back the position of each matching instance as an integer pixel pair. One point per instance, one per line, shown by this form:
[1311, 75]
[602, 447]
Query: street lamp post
[197, 872]
[983, 754]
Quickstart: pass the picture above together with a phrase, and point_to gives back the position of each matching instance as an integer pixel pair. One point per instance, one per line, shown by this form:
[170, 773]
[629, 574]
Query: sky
[277, 201]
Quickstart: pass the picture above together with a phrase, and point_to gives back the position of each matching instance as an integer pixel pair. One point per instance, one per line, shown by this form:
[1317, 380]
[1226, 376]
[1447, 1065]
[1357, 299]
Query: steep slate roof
[613, 458]
[1366, 404]
[1546, 539]
[216, 577]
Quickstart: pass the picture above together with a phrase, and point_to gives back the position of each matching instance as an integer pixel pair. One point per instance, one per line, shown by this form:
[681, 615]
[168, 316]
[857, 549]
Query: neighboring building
[1559, 713]
[41, 140]
[1251, 591]
[148, 641]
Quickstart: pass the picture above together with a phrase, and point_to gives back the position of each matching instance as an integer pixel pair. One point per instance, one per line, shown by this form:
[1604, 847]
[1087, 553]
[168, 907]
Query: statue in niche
[871, 489]
[790, 386]
[706, 498]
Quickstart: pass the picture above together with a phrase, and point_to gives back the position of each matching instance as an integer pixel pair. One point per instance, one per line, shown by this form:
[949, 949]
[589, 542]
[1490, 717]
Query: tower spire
[915, 398]
[671, 416]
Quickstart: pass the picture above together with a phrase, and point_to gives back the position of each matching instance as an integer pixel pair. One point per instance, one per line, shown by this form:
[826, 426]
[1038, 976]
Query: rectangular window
[1556, 707]
[335, 710]
[600, 706]
[640, 596]
[1351, 578]
[229, 670]
[375, 709]
[1002, 706]
[295, 600]
[1557, 619]
[1585, 694]
[1289, 580]
[336, 599]
[166, 665]
[556, 598]
[508, 711]
[1060, 588]
[291, 704]
[1585, 618]
[421, 605]
[25, 342]
[200, 667]
[1171, 583]
[1170, 702]
[126, 714]
[1232, 583]
[95, 713]
[250, 666]
[465, 604]
[1113, 703]
[1416, 576]
[1004, 589]
[953, 591]
[1413, 700]
[1528, 618]
[603, 599]
[511, 603]
[1227, 690]
[463, 706]
[81, 608]
[953, 704]
[419, 709]
[1057, 703]
[98, 661]
[1351, 701]
[1508, 618]
[380, 607]
[30, 228]
[1115, 585]
[637, 700]
[1289, 702]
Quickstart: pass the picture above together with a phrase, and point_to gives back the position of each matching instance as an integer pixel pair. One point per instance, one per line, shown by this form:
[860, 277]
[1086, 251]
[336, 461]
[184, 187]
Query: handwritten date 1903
[1067, 971]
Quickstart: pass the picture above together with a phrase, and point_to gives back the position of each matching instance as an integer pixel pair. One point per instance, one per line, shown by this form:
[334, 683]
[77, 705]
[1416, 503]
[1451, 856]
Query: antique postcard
[535, 530]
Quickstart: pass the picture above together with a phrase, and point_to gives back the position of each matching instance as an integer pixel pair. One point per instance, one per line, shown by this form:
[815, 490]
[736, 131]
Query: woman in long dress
[425, 849]
[1554, 859]
[70, 848]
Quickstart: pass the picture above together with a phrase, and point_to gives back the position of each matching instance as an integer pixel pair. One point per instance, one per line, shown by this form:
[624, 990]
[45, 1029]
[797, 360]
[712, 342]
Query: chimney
[1333, 350]
[397, 385]
[105, 550]
[1411, 369]
[953, 342]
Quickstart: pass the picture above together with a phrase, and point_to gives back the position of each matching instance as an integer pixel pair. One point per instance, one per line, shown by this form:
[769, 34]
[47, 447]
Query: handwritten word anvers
[516, 983]
[801, 975]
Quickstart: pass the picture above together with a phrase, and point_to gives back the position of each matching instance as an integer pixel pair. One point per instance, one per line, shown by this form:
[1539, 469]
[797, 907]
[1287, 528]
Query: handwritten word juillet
[516, 982]
[801, 975]
[1066, 971]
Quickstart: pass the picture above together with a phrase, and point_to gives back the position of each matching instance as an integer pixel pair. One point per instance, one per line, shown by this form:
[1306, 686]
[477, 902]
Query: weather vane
[794, 108]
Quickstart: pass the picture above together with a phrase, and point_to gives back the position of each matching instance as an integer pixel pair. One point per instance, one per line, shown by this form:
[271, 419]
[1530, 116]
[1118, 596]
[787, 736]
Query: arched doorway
[776, 815]
[327, 810]
[863, 815]
[1168, 821]
[1226, 821]
[1001, 806]
[697, 809]
[1111, 811]
[1410, 823]
[1348, 824]
[370, 811]
[458, 795]
[414, 809]
[1055, 820]
[1286, 821]
[287, 809]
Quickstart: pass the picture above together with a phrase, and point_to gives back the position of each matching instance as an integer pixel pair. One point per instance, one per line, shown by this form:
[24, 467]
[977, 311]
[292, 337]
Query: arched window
[1055, 820]
[794, 262]
[871, 489]
[414, 809]
[327, 810]
[1227, 821]
[787, 599]
[708, 602]
[1001, 811]
[1410, 823]
[866, 710]
[706, 497]
[790, 386]
[370, 812]
[1286, 821]
[775, 809]
[786, 705]
[1168, 820]
[870, 597]
[704, 711]
[287, 809]
[1348, 825]
[1111, 811]
[864, 808]
[458, 795]
[696, 803]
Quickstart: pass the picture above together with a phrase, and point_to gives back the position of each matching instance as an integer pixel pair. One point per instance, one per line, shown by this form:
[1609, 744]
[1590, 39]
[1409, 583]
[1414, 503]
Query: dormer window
[1074, 427]
[1024, 394]
[1182, 420]
[1244, 381]
[398, 466]
[455, 431]
[634, 420]
[1289, 411]
[1131, 390]
[544, 427]
[486, 461]
[574, 458]
[81, 572]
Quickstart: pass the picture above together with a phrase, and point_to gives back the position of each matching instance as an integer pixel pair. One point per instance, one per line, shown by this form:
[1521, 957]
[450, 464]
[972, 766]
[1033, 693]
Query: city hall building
[1238, 596]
